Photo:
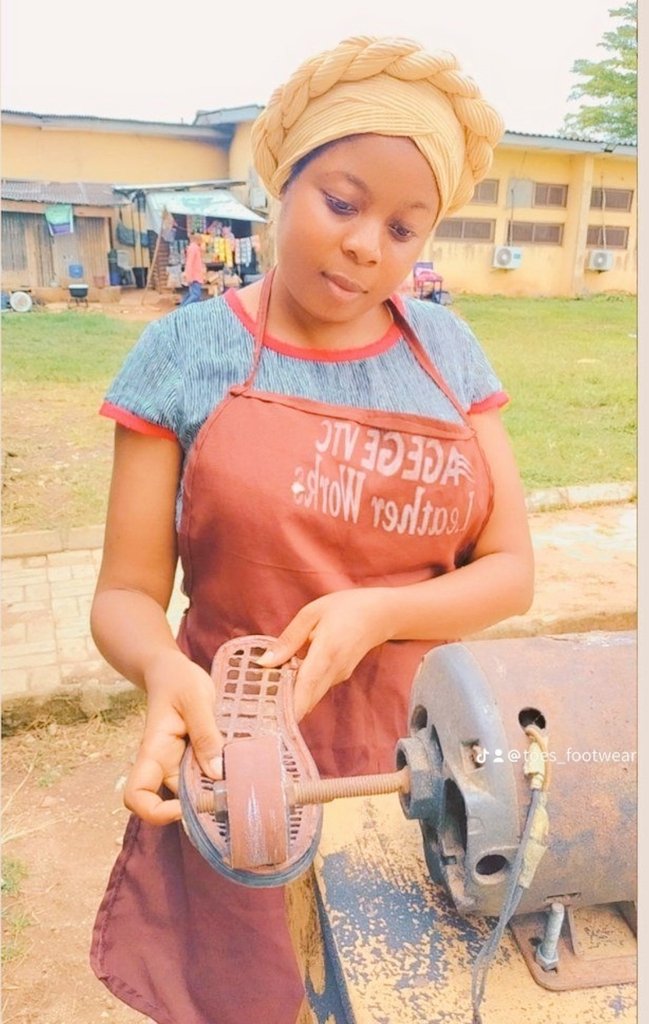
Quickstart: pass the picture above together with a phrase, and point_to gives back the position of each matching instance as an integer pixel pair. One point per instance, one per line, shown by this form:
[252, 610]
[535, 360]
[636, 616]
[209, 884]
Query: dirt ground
[62, 826]
[131, 306]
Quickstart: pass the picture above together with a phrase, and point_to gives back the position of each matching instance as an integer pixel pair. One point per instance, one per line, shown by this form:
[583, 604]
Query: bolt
[547, 955]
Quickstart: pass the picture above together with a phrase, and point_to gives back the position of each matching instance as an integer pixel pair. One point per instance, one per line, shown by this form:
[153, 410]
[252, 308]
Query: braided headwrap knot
[385, 86]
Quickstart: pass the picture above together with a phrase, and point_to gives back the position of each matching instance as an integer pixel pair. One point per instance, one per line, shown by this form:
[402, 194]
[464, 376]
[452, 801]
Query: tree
[612, 82]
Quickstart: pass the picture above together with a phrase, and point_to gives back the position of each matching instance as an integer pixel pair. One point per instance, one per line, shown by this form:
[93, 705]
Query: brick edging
[580, 494]
[45, 542]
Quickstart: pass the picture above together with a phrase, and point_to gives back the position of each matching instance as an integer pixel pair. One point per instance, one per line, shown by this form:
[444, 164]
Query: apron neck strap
[411, 338]
[262, 312]
[423, 358]
[260, 327]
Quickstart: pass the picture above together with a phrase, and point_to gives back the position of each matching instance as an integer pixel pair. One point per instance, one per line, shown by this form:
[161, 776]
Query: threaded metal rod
[321, 791]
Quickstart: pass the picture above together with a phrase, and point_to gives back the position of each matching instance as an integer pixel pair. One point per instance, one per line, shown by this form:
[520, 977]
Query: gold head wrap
[385, 86]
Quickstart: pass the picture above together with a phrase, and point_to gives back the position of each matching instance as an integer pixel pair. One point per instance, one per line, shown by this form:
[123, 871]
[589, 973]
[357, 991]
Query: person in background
[194, 270]
[328, 459]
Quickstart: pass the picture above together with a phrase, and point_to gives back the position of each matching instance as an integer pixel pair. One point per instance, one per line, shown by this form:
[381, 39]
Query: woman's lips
[345, 284]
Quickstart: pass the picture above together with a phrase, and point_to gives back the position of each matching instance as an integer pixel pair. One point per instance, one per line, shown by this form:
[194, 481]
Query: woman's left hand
[333, 633]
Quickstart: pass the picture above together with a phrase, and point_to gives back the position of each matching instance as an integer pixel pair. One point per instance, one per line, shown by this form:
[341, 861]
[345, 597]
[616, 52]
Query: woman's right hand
[180, 705]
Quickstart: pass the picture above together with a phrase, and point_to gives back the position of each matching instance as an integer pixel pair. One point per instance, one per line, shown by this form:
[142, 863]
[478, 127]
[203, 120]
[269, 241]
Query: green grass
[64, 348]
[57, 449]
[15, 919]
[569, 366]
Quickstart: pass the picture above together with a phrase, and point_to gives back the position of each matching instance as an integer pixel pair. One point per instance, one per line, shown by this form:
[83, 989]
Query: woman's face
[352, 224]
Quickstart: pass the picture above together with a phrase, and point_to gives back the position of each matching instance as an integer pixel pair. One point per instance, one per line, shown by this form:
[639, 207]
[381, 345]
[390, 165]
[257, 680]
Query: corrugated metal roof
[95, 118]
[538, 139]
[228, 115]
[235, 115]
[79, 193]
[118, 125]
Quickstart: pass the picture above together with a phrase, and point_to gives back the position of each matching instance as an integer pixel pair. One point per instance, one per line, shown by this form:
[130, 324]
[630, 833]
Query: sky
[161, 61]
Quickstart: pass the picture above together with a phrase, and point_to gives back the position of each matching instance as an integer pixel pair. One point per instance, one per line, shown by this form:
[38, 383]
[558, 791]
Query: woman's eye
[338, 205]
[402, 232]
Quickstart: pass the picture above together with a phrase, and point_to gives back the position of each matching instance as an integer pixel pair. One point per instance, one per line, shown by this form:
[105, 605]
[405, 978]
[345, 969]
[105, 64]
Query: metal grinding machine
[520, 767]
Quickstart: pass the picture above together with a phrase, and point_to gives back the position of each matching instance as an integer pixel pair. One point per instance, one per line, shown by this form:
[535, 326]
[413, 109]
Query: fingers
[320, 670]
[169, 724]
[142, 796]
[291, 640]
[204, 736]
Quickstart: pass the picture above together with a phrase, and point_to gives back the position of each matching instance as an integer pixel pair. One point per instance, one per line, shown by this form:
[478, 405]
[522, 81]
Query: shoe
[245, 826]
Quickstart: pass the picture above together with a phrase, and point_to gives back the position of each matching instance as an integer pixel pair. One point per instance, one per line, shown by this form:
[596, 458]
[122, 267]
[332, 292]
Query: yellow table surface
[395, 951]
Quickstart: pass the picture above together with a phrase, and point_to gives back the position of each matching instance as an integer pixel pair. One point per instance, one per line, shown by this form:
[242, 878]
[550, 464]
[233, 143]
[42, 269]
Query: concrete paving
[586, 579]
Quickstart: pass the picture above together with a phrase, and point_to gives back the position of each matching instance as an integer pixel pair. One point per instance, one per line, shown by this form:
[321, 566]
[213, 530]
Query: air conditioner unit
[507, 257]
[257, 198]
[600, 259]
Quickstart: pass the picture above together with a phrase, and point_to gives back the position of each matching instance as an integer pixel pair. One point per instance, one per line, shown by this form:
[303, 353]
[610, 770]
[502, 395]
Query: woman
[331, 466]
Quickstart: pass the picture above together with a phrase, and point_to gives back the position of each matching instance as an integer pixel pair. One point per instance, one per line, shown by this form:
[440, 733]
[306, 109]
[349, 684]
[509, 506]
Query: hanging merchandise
[127, 236]
[174, 276]
[168, 227]
[60, 220]
[243, 252]
[223, 250]
[195, 223]
[174, 254]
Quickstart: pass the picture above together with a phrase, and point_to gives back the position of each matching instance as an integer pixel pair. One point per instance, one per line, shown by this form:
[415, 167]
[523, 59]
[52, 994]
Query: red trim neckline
[325, 355]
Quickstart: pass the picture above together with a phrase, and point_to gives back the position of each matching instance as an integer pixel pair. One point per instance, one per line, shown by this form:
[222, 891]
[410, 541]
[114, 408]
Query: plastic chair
[427, 282]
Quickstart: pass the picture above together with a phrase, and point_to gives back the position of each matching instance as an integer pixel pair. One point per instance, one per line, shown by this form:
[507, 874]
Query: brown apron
[285, 499]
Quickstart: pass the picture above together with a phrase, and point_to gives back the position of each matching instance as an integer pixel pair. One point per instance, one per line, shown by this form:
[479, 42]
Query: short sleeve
[458, 355]
[482, 388]
[145, 394]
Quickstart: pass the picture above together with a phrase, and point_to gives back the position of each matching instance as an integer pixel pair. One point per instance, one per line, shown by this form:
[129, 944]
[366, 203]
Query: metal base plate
[597, 947]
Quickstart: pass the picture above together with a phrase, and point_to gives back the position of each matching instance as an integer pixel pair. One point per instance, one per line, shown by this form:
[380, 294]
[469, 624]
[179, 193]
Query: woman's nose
[362, 241]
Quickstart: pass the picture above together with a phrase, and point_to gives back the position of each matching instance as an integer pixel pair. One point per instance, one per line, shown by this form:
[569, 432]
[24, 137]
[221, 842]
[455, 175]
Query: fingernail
[265, 657]
[216, 767]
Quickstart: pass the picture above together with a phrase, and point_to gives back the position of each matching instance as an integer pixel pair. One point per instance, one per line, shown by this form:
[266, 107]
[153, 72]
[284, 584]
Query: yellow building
[555, 217]
[57, 163]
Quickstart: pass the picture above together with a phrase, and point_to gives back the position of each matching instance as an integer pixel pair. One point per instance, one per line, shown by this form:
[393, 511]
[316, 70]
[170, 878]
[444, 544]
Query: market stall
[227, 236]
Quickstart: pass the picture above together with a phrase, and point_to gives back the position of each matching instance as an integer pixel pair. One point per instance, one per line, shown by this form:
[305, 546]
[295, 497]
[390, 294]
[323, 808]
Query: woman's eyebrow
[418, 204]
[352, 179]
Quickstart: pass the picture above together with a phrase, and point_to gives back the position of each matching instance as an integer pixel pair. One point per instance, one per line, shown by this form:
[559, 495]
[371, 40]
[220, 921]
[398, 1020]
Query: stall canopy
[217, 203]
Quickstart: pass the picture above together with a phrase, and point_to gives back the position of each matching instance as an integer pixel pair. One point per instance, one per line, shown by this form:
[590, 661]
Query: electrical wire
[510, 903]
[538, 768]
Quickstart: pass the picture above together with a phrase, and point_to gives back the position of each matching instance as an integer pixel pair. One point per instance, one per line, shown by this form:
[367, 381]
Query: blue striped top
[182, 366]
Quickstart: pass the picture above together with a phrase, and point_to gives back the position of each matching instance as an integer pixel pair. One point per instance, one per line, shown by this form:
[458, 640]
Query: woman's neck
[289, 322]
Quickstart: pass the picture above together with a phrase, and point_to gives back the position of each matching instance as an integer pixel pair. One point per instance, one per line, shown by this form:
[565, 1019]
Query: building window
[550, 195]
[600, 237]
[486, 192]
[465, 230]
[534, 233]
[611, 199]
